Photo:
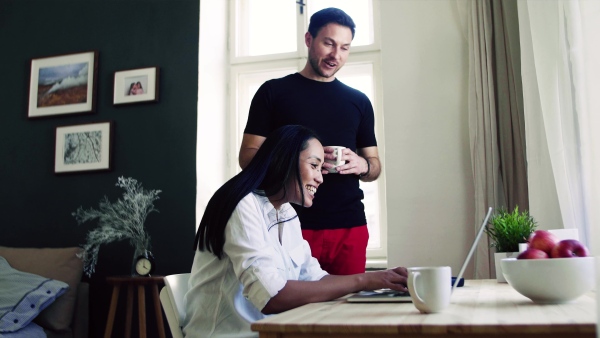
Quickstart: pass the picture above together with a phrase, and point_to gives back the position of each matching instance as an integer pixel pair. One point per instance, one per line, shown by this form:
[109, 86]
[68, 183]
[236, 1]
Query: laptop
[389, 295]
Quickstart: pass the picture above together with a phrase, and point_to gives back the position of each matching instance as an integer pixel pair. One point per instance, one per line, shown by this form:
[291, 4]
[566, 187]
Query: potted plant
[123, 219]
[506, 231]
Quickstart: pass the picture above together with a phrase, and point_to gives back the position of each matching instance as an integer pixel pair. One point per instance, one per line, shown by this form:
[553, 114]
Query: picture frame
[63, 84]
[83, 147]
[136, 85]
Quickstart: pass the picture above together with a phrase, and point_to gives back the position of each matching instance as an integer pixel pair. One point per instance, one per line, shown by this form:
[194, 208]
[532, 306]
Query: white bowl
[552, 280]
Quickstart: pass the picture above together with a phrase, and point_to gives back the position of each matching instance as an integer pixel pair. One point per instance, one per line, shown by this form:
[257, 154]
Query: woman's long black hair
[275, 163]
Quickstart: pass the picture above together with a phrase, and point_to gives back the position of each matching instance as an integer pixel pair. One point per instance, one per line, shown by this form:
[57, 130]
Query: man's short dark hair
[329, 15]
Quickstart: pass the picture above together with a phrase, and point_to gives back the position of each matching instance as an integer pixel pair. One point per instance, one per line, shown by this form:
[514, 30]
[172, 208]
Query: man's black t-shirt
[341, 116]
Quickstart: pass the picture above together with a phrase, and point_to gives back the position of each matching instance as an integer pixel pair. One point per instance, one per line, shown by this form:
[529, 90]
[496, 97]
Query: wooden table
[140, 283]
[482, 308]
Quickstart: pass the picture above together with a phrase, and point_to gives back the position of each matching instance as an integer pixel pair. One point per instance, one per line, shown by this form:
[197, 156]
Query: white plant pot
[498, 256]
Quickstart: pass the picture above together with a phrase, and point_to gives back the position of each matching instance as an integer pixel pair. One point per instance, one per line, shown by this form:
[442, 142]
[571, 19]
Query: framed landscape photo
[136, 85]
[83, 147]
[63, 84]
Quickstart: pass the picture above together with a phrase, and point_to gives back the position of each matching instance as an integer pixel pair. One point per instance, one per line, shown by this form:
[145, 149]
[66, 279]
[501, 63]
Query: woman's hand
[394, 279]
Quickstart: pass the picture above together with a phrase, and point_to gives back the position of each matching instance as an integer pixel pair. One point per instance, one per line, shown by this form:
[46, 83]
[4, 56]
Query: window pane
[265, 27]
[371, 202]
[360, 11]
[359, 76]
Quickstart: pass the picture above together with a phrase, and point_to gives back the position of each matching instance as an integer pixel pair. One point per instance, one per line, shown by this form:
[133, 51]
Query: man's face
[328, 51]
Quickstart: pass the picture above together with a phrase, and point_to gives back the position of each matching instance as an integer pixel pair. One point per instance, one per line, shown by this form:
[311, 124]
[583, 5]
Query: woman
[138, 90]
[251, 259]
[131, 90]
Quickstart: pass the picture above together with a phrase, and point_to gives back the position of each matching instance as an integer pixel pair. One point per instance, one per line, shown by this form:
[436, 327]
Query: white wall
[430, 196]
[211, 156]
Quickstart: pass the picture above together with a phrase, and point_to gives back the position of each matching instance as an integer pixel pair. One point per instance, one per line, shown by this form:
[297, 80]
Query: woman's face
[310, 162]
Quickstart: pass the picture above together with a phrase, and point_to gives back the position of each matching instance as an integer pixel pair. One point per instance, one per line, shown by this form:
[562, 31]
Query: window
[254, 27]
[261, 52]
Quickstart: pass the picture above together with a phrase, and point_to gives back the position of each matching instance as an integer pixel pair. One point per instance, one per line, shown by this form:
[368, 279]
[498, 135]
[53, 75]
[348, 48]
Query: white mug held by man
[337, 152]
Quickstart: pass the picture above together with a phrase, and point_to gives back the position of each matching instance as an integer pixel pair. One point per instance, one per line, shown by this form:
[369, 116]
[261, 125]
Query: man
[335, 227]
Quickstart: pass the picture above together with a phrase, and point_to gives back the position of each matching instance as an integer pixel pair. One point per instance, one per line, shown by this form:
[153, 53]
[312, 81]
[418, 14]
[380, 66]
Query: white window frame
[246, 65]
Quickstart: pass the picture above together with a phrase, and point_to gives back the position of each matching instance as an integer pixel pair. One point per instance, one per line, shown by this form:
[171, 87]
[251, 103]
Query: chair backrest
[171, 298]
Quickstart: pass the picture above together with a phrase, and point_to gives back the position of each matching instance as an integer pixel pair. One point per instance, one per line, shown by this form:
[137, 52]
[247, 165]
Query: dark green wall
[153, 143]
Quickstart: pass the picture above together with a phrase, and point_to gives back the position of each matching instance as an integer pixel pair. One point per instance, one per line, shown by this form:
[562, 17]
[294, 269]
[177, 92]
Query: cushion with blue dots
[24, 295]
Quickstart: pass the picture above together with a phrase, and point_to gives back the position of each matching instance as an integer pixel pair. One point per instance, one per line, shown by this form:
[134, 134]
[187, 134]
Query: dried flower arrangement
[123, 219]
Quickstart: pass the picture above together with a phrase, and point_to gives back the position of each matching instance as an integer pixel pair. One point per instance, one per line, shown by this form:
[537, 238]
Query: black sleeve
[260, 121]
[365, 136]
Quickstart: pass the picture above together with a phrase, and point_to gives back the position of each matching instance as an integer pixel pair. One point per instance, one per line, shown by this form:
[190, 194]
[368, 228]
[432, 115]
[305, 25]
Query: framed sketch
[63, 84]
[136, 85]
[83, 147]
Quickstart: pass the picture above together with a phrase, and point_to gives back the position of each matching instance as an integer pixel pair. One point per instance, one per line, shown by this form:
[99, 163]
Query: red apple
[533, 254]
[569, 248]
[542, 240]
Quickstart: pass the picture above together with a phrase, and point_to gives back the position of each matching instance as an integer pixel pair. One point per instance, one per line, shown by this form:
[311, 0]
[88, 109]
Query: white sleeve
[311, 269]
[255, 262]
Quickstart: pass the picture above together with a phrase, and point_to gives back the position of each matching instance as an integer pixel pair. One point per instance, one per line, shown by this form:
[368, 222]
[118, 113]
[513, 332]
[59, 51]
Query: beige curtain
[496, 125]
[509, 89]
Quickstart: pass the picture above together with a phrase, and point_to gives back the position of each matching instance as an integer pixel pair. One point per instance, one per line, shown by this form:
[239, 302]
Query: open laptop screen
[387, 295]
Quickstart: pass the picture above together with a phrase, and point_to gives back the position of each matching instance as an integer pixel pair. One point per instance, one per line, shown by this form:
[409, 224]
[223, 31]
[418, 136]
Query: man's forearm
[374, 169]
[246, 155]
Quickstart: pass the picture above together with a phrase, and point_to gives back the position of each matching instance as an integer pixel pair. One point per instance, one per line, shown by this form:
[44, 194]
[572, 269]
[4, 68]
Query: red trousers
[339, 251]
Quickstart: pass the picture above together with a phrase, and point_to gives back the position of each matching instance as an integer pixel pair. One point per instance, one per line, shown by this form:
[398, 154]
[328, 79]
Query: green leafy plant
[508, 229]
[123, 219]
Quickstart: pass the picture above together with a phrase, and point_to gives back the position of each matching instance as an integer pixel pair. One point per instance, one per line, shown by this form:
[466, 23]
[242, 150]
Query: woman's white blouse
[226, 295]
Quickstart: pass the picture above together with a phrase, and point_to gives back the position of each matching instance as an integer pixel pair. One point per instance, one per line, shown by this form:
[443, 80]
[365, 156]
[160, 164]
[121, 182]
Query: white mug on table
[430, 287]
[337, 152]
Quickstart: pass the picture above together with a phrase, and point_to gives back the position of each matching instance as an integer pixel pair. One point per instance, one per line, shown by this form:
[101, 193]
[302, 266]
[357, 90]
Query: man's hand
[355, 164]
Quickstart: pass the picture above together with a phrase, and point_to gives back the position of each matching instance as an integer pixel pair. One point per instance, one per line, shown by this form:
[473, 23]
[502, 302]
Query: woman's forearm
[298, 293]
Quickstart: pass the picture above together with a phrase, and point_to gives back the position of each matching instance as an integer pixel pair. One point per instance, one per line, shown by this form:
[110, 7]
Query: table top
[479, 308]
[135, 280]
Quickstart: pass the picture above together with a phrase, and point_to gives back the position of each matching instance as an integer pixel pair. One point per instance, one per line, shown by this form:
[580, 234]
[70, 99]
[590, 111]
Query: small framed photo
[83, 147]
[63, 84]
[136, 85]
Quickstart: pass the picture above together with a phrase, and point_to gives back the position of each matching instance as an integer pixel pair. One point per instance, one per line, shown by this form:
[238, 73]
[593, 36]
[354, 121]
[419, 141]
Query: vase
[498, 256]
